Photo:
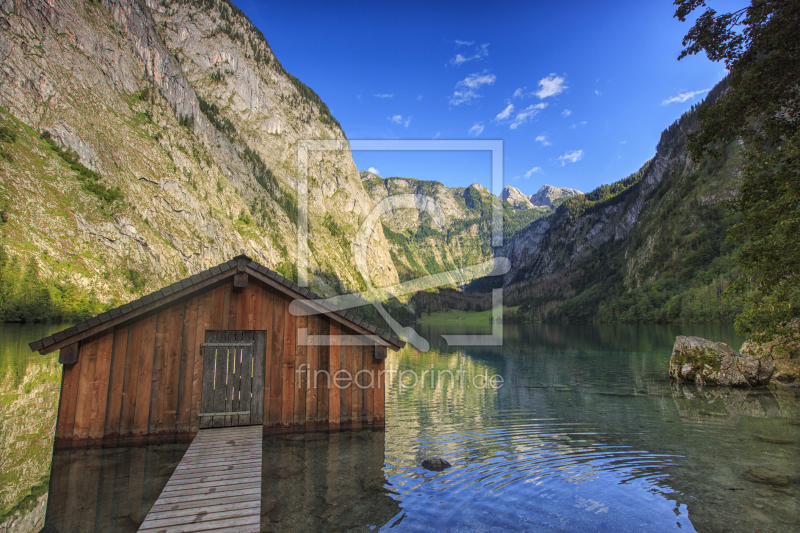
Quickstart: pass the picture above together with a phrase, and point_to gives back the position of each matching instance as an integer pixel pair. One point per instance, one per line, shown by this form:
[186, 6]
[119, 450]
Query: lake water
[586, 433]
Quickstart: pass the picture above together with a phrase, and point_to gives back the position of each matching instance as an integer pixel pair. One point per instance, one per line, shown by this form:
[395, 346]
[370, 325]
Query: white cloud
[374, 171]
[398, 119]
[596, 92]
[477, 129]
[464, 43]
[566, 113]
[526, 114]
[517, 94]
[622, 142]
[515, 178]
[467, 89]
[550, 86]
[505, 113]
[438, 134]
[683, 97]
[532, 171]
[480, 52]
[543, 139]
[575, 126]
[573, 157]
[385, 95]
[419, 97]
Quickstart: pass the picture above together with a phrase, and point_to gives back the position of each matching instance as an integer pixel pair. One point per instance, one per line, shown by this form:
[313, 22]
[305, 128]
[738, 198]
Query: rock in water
[784, 351]
[767, 476]
[435, 463]
[715, 363]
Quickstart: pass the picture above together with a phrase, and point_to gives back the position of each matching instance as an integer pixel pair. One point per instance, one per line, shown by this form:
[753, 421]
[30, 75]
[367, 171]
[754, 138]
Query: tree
[760, 46]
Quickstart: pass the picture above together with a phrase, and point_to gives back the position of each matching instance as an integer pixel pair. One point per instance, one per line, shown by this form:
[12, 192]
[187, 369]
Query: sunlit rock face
[548, 194]
[715, 363]
[186, 110]
[783, 351]
[514, 196]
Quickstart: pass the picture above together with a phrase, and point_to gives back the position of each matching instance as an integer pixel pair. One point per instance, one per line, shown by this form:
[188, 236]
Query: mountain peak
[515, 197]
[547, 194]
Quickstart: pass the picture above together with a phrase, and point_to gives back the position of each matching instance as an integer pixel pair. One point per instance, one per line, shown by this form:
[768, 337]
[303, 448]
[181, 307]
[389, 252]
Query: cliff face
[663, 226]
[448, 228]
[185, 109]
[562, 241]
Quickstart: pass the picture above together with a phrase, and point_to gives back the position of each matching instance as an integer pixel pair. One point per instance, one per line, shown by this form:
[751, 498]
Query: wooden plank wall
[142, 381]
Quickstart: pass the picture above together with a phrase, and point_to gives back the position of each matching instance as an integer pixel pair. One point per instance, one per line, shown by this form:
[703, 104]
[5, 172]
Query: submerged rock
[783, 351]
[715, 363]
[767, 476]
[435, 463]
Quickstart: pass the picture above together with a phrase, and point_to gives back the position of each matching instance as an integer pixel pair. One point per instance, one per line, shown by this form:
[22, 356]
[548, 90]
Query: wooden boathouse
[218, 349]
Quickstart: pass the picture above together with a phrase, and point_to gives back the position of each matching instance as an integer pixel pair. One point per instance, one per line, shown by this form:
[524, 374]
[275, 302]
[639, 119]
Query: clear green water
[586, 434]
[29, 389]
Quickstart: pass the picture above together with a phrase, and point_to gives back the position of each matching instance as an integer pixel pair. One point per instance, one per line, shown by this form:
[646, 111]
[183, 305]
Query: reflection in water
[29, 388]
[325, 482]
[107, 489]
[312, 482]
[586, 434]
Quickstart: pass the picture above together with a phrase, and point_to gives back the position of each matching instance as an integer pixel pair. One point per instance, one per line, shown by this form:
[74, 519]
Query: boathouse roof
[214, 275]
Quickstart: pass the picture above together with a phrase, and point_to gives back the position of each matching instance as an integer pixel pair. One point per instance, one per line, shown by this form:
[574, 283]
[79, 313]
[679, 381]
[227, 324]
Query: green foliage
[26, 297]
[212, 113]
[137, 280]
[516, 220]
[264, 177]
[7, 136]
[401, 241]
[603, 196]
[187, 121]
[674, 267]
[245, 217]
[90, 180]
[769, 239]
[760, 45]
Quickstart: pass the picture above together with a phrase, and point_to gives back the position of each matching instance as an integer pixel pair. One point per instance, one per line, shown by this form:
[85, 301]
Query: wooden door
[233, 379]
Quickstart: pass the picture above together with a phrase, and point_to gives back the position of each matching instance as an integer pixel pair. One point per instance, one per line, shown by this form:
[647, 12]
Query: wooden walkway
[216, 486]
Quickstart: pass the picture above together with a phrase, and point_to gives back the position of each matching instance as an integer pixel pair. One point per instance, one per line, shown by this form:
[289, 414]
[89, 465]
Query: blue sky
[579, 91]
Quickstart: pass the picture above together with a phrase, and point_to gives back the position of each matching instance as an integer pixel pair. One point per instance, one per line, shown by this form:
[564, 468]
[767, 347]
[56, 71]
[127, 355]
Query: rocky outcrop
[121, 83]
[547, 194]
[784, 352]
[715, 363]
[514, 196]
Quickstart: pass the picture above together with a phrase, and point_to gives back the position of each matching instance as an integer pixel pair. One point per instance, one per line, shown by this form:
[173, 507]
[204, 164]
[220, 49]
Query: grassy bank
[468, 318]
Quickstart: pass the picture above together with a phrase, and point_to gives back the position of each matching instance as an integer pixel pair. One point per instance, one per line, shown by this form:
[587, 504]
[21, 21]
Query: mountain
[143, 142]
[549, 194]
[514, 196]
[649, 248]
[150, 140]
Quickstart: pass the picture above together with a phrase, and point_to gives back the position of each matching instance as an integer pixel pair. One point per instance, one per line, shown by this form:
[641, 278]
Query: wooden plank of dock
[216, 486]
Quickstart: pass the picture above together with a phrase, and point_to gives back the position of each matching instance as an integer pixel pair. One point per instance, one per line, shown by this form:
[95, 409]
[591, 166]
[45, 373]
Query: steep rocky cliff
[660, 231]
[184, 108]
